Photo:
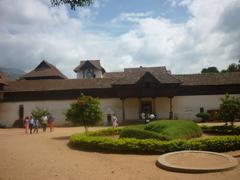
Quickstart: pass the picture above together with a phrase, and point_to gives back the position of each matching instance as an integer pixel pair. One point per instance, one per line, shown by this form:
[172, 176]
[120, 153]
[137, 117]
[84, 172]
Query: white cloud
[31, 30]
[132, 17]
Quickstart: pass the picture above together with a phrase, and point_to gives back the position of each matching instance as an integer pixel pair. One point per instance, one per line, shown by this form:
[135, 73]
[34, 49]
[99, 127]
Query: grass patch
[140, 133]
[163, 130]
[175, 129]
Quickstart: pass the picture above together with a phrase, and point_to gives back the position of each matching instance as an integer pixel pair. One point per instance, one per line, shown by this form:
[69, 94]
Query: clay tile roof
[59, 84]
[113, 74]
[3, 78]
[209, 78]
[132, 75]
[44, 70]
[95, 63]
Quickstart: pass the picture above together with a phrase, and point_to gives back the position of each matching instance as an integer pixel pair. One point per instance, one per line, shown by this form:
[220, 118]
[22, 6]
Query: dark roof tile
[95, 63]
[44, 70]
[58, 84]
[209, 78]
[132, 75]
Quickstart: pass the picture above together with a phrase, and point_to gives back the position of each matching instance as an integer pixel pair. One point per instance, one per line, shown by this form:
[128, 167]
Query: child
[50, 123]
[31, 124]
[36, 124]
[26, 124]
[44, 123]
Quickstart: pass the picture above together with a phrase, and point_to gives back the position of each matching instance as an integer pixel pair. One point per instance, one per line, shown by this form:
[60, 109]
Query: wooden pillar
[123, 109]
[170, 110]
[139, 108]
[154, 105]
[1, 96]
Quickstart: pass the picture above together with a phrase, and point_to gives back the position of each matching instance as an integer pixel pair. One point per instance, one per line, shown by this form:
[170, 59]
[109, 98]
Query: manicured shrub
[97, 143]
[203, 115]
[106, 132]
[221, 130]
[140, 134]
[175, 129]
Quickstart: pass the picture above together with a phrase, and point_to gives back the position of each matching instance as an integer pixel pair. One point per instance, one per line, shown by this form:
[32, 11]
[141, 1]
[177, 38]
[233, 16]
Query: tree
[38, 113]
[73, 3]
[229, 108]
[210, 70]
[85, 111]
[232, 68]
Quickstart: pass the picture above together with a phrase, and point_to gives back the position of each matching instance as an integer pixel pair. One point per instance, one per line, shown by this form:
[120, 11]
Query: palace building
[127, 93]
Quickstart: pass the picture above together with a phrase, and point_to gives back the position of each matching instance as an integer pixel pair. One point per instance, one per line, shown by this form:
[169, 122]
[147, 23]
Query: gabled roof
[44, 70]
[133, 75]
[227, 78]
[95, 63]
[3, 78]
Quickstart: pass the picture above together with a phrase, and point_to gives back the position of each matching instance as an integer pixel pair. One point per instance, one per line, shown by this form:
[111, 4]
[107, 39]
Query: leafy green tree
[72, 3]
[210, 70]
[232, 68]
[38, 113]
[229, 108]
[85, 111]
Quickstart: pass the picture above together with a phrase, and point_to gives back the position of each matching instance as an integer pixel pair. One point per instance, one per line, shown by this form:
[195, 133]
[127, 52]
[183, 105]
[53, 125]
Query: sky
[183, 35]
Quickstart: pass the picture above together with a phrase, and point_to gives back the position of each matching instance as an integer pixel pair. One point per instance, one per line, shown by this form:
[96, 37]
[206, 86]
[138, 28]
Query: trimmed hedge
[221, 130]
[106, 132]
[96, 143]
[141, 134]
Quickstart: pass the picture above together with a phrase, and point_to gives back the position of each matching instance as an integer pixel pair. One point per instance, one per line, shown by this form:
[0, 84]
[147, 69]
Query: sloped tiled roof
[129, 76]
[133, 75]
[209, 78]
[59, 84]
[3, 78]
[44, 70]
[95, 63]
[113, 74]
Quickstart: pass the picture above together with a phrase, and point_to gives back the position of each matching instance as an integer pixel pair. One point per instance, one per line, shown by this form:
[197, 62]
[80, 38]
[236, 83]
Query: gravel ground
[47, 156]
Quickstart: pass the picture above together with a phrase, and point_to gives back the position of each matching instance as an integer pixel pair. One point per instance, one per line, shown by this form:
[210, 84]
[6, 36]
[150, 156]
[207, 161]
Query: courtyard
[47, 156]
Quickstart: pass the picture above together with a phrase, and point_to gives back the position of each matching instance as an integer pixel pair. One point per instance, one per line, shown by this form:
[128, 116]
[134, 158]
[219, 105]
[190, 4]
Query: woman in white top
[114, 121]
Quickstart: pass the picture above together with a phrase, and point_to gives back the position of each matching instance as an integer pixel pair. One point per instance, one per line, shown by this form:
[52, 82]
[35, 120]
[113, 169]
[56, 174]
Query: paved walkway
[47, 156]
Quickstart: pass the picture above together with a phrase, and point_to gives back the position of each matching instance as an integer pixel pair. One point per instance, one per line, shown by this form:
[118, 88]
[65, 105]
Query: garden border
[95, 142]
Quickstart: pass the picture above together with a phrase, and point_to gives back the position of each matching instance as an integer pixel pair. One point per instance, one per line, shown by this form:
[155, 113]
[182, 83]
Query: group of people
[147, 117]
[32, 125]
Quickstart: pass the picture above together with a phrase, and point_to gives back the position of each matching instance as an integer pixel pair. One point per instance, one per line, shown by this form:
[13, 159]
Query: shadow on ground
[62, 138]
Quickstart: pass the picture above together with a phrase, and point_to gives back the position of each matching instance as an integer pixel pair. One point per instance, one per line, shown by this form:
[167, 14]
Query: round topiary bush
[141, 134]
[163, 130]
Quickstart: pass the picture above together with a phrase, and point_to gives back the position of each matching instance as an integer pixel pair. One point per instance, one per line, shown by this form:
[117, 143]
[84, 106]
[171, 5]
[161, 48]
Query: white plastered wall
[162, 106]
[186, 107]
[131, 109]
[97, 72]
[9, 110]
[112, 105]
